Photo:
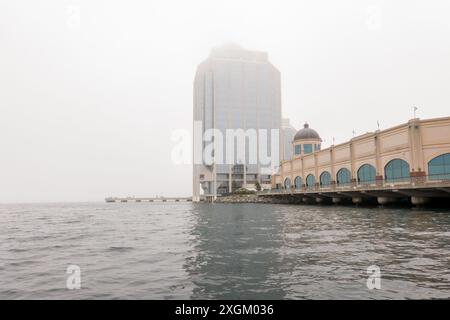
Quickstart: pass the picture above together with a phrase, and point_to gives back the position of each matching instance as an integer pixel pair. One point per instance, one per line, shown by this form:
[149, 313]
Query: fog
[91, 91]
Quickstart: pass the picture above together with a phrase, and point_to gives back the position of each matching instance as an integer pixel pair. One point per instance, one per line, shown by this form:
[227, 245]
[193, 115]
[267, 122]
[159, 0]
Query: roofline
[368, 134]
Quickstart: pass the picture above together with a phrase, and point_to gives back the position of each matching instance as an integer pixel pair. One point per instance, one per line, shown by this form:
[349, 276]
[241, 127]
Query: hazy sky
[91, 91]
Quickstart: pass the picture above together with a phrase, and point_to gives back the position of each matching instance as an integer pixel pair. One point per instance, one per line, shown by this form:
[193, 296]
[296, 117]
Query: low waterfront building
[411, 153]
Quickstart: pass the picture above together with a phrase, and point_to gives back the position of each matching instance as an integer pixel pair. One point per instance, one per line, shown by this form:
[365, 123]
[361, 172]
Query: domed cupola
[306, 141]
[307, 134]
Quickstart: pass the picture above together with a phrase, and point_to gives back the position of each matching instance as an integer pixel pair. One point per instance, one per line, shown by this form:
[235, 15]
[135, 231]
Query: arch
[325, 178]
[298, 183]
[439, 167]
[386, 160]
[366, 173]
[310, 181]
[287, 183]
[343, 176]
[396, 170]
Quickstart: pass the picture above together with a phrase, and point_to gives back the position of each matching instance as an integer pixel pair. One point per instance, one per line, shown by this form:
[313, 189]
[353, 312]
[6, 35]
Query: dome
[307, 134]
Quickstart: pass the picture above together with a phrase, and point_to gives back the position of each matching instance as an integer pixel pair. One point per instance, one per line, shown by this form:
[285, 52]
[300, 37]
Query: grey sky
[87, 109]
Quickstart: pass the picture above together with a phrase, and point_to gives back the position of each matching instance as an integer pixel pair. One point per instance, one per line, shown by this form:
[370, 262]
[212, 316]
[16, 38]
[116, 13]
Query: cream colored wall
[342, 158]
[287, 167]
[393, 141]
[395, 144]
[297, 164]
[324, 157]
[365, 147]
[416, 142]
[308, 161]
[342, 153]
[278, 179]
[435, 136]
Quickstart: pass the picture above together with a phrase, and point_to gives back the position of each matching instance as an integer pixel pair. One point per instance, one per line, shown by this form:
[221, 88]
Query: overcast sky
[91, 91]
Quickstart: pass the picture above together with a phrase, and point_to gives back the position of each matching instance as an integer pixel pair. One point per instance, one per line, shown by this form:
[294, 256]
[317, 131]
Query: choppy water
[189, 251]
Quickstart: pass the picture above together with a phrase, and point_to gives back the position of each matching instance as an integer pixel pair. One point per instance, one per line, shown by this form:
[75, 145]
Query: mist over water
[236, 251]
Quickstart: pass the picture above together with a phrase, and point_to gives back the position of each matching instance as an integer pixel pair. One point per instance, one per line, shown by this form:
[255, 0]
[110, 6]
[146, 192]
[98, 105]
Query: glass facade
[298, 149]
[366, 173]
[396, 170]
[325, 178]
[439, 167]
[239, 90]
[310, 181]
[298, 183]
[307, 148]
[343, 176]
[287, 183]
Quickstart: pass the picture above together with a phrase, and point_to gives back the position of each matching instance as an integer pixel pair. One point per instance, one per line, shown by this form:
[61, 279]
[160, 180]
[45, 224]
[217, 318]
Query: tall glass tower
[236, 89]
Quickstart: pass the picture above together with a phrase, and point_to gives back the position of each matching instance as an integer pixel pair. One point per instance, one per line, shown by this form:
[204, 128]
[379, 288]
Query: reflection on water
[240, 251]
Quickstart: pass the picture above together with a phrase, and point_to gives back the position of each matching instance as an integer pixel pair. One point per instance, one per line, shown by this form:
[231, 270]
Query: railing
[441, 176]
[421, 181]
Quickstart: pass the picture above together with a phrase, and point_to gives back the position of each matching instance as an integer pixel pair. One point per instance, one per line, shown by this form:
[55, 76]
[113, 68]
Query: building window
[298, 149]
[287, 183]
[317, 147]
[325, 178]
[396, 170]
[307, 148]
[222, 176]
[298, 183]
[310, 181]
[343, 176]
[366, 173]
[439, 167]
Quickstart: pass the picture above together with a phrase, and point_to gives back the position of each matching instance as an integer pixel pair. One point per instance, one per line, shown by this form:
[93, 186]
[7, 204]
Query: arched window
[287, 183]
[325, 178]
[366, 173]
[396, 170]
[310, 181]
[439, 167]
[343, 176]
[298, 183]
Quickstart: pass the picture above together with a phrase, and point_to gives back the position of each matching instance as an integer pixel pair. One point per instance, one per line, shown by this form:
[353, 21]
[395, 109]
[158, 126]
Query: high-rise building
[287, 136]
[236, 89]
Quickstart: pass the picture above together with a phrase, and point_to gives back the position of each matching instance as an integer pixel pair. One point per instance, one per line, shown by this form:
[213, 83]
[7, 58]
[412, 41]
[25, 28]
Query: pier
[145, 199]
[418, 191]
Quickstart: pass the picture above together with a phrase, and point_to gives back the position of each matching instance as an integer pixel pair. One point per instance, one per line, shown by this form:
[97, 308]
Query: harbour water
[222, 251]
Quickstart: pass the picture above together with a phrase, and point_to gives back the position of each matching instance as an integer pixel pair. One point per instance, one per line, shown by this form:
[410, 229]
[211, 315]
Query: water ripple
[183, 251]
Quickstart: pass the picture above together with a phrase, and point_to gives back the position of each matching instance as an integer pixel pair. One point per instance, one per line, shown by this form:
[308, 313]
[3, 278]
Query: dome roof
[307, 134]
